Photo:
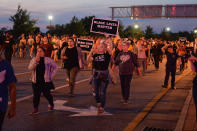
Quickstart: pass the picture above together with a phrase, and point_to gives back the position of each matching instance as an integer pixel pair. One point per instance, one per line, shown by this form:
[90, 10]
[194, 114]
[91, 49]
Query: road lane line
[30, 96]
[140, 116]
[181, 122]
[19, 74]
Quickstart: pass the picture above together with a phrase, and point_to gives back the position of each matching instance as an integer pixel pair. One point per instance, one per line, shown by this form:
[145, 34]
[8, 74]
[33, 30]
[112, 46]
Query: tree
[149, 32]
[87, 24]
[165, 35]
[22, 22]
[75, 27]
[130, 31]
[3, 29]
[121, 30]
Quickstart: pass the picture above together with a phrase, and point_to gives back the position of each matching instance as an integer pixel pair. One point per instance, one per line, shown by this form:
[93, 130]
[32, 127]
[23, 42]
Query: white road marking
[92, 111]
[19, 74]
[57, 88]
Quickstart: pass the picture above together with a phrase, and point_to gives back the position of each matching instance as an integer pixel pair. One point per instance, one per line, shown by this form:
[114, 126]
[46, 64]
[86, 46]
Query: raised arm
[164, 48]
[32, 64]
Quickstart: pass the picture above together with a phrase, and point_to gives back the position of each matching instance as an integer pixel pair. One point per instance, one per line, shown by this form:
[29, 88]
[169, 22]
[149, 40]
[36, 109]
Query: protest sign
[85, 45]
[103, 26]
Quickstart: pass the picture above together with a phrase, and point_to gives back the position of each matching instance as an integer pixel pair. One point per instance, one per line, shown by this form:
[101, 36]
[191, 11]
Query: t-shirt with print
[101, 61]
[6, 77]
[126, 62]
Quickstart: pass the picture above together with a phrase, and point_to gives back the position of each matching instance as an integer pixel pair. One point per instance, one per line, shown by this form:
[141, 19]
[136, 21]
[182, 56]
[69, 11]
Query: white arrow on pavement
[92, 111]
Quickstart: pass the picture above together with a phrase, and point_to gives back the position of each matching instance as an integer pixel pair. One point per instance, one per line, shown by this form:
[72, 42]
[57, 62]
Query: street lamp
[195, 31]
[50, 17]
[136, 26]
[168, 29]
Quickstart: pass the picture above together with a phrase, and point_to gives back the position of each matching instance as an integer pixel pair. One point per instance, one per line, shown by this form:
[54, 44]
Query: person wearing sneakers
[73, 59]
[127, 61]
[170, 65]
[7, 79]
[43, 71]
[100, 79]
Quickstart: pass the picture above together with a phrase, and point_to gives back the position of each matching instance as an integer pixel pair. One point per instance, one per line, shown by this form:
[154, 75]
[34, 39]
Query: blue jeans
[100, 88]
[195, 92]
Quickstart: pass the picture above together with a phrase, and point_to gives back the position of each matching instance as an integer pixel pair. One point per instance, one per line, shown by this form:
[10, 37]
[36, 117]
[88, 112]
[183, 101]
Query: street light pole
[50, 17]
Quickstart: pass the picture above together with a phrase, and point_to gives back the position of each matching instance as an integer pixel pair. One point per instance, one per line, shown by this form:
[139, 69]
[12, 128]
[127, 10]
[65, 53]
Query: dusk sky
[64, 10]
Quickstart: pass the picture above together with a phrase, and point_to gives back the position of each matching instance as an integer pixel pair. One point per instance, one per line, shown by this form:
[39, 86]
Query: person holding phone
[43, 71]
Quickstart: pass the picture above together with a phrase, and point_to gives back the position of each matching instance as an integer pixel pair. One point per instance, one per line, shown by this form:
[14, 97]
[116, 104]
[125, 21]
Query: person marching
[7, 84]
[43, 71]
[127, 62]
[47, 47]
[193, 61]
[156, 52]
[73, 59]
[115, 53]
[30, 42]
[170, 65]
[100, 60]
[8, 46]
[142, 54]
[22, 46]
[182, 52]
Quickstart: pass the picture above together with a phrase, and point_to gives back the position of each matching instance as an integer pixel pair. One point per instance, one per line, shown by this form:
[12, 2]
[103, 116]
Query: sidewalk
[190, 121]
[167, 112]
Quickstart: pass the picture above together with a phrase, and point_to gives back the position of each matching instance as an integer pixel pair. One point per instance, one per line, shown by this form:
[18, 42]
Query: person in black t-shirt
[156, 52]
[72, 56]
[100, 80]
[170, 65]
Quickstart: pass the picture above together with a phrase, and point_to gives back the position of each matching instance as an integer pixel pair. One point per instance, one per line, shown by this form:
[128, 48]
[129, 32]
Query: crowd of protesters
[128, 54]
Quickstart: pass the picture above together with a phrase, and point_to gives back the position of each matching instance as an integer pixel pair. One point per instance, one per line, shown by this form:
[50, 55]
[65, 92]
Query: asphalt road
[79, 113]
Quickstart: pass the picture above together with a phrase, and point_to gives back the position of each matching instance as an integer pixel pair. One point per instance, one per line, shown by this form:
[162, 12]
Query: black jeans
[182, 64]
[156, 61]
[2, 116]
[195, 92]
[8, 56]
[169, 71]
[125, 81]
[37, 90]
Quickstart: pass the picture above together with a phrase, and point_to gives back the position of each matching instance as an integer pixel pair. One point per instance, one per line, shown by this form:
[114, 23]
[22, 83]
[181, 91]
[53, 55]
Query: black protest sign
[103, 26]
[182, 39]
[85, 45]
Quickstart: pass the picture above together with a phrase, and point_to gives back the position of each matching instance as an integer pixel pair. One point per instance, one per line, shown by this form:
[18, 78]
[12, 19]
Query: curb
[184, 111]
[140, 117]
